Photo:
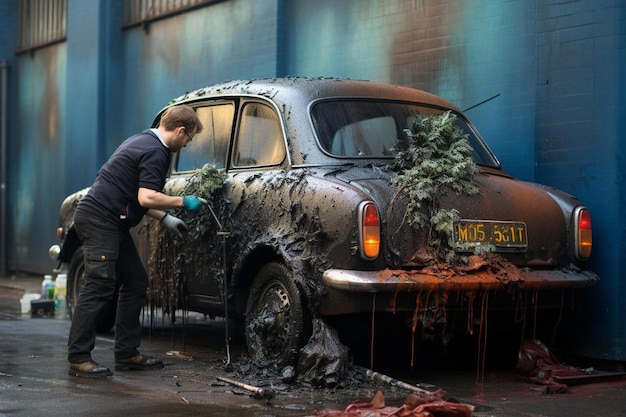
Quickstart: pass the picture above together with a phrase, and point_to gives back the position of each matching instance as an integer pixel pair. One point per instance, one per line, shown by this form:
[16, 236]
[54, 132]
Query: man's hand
[191, 203]
[174, 224]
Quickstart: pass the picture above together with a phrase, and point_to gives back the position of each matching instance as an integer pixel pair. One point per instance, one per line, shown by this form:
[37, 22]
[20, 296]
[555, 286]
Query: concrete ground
[34, 381]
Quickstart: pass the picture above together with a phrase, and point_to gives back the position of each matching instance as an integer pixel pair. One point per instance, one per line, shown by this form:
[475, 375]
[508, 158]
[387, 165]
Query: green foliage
[211, 179]
[205, 182]
[438, 159]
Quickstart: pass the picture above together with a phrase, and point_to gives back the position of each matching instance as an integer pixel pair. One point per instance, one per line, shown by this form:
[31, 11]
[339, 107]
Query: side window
[260, 140]
[211, 145]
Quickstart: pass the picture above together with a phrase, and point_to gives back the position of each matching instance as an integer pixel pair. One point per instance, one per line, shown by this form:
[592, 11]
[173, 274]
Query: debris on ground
[421, 388]
[179, 355]
[539, 365]
[415, 405]
[259, 393]
[324, 360]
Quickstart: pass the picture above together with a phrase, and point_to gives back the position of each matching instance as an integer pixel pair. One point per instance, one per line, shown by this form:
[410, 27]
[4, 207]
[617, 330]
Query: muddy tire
[275, 317]
[75, 273]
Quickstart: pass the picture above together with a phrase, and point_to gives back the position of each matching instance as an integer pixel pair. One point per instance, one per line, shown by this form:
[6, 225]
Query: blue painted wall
[225, 41]
[465, 51]
[579, 146]
[8, 40]
[34, 144]
[558, 67]
[37, 155]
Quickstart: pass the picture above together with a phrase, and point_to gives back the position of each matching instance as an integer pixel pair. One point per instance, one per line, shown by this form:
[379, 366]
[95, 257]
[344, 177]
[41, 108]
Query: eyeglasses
[187, 133]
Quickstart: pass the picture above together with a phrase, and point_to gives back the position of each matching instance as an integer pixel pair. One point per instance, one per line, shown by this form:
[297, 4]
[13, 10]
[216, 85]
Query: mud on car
[310, 221]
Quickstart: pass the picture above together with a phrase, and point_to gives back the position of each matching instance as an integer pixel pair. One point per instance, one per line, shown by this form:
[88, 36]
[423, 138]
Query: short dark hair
[182, 115]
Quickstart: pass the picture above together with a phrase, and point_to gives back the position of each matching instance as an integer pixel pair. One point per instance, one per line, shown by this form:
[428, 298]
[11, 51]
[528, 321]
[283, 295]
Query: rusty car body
[308, 225]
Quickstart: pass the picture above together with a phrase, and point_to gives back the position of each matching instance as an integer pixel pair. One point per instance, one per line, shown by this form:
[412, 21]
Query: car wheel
[275, 317]
[76, 271]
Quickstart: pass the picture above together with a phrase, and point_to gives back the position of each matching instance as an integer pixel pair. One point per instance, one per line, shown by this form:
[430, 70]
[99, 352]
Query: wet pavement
[34, 380]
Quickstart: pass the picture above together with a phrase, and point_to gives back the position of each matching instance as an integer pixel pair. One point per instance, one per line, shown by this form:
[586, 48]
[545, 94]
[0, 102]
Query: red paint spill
[415, 405]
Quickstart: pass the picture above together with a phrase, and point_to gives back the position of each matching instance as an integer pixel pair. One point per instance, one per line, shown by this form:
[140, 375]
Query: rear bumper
[392, 281]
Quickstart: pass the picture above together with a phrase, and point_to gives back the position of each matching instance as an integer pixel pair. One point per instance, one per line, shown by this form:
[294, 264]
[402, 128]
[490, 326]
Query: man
[128, 186]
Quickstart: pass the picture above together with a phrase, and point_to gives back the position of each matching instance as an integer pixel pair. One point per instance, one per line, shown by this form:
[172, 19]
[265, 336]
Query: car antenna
[482, 102]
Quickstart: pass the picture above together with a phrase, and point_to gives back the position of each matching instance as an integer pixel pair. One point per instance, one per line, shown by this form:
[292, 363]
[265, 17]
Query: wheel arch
[69, 246]
[245, 272]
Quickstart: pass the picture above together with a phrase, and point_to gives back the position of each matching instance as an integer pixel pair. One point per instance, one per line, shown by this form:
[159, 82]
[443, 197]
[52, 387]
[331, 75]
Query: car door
[201, 271]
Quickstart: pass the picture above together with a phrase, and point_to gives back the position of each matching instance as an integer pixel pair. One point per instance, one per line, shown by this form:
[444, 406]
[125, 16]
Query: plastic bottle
[60, 291]
[47, 287]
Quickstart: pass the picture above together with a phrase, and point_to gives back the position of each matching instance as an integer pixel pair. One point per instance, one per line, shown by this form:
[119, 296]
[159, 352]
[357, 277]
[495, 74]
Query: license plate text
[500, 234]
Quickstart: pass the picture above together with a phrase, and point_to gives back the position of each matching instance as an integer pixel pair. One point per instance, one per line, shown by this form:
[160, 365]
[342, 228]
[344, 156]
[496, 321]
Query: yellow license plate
[484, 232]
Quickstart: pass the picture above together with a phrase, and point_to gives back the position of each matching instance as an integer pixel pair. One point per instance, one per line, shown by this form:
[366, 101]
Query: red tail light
[583, 233]
[60, 234]
[369, 230]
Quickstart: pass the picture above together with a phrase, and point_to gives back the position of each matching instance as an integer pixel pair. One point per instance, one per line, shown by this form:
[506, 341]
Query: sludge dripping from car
[318, 230]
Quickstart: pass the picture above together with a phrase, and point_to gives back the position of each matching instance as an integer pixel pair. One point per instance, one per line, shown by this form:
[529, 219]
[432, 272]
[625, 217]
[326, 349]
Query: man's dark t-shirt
[142, 161]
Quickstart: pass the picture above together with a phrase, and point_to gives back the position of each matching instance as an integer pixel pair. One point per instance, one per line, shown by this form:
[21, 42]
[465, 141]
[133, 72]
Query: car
[334, 198]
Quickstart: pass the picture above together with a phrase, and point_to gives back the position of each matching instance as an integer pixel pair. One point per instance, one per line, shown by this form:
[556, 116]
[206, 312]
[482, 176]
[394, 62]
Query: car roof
[288, 90]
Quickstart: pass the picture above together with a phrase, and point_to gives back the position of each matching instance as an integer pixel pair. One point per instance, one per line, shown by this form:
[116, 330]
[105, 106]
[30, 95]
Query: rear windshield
[377, 129]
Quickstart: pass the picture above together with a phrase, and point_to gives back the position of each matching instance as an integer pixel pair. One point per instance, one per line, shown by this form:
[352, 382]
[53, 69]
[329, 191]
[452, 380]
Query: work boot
[89, 369]
[138, 363]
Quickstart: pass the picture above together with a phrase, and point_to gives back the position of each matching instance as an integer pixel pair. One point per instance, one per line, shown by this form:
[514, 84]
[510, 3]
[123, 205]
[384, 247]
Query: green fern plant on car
[204, 183]
[438, 159]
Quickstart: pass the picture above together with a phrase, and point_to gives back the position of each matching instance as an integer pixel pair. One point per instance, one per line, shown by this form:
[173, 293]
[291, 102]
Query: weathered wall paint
[36, 170]
[464, 51]
[579, 148]
[8, 40]
[87, 71]
[226, 41]
[558, 67]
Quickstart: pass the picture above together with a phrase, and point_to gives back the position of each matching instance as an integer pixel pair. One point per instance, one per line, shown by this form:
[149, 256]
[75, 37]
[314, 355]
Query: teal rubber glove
[191, 203]
[174, 224]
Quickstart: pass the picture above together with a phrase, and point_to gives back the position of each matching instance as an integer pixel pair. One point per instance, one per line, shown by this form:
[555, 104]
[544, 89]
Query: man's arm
[157, 201]
[156, 214]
